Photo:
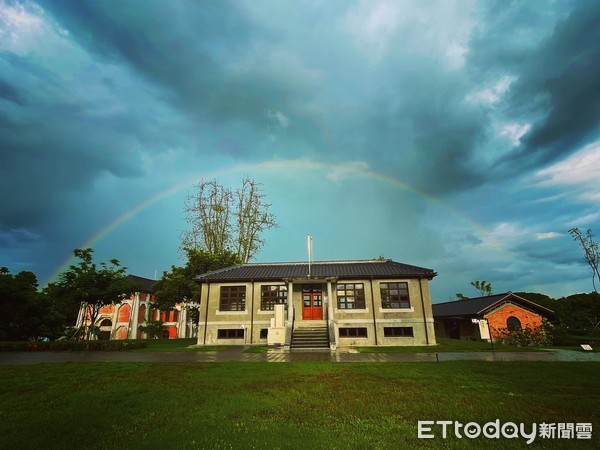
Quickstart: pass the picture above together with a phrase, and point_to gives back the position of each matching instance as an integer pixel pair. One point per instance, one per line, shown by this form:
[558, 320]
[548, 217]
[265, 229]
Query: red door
[312, 302]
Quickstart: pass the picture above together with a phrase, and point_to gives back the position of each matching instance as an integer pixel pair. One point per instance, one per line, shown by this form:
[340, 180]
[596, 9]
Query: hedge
[36, 346]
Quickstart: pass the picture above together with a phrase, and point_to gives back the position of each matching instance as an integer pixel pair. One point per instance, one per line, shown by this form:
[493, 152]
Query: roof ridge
[299, 263]
[503, 294]
[138, 276]
[346, 268]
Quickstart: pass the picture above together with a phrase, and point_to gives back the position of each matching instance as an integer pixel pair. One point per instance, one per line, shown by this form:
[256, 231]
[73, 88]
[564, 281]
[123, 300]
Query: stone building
[322, 304]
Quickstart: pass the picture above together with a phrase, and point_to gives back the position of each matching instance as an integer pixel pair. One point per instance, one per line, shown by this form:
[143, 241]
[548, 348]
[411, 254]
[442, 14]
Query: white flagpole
[309, 242]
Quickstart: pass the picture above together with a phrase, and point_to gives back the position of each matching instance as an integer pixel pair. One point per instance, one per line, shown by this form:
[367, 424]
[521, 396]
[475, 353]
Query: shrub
[558, 334]
[525, 337]
[106, 346]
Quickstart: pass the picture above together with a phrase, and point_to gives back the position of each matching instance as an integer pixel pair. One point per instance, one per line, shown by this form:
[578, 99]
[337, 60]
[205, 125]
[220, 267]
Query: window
[350, 296]
[233, 298]
[353, 332]
[264, 332]
[398, 331]
[394, 295]
[513, 323]
[271, 296]
[231, 333]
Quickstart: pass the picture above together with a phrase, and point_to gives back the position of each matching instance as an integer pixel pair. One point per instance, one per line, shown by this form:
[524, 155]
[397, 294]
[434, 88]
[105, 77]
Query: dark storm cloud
[566, 74]
[16, 237]
[51, 147]
[557, 251]
[557, 86]
[425, 133]
[9, 92]
[188, 48]
[45, 158]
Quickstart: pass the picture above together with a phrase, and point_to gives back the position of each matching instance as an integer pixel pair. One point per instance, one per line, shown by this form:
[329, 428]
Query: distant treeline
[577, 314]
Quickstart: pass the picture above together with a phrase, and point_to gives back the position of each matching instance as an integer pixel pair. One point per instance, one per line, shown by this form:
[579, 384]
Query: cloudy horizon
[461, 136]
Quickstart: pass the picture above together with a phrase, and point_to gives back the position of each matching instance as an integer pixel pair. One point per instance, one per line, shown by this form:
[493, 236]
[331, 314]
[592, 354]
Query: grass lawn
[292, 405]
[450, 345]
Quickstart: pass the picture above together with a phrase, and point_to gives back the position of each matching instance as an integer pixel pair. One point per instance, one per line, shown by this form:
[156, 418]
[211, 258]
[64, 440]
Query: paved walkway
[277, 355]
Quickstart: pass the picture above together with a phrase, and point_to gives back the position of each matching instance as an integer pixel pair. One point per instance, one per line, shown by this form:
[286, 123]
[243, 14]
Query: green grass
[291, 405]
[450, 345]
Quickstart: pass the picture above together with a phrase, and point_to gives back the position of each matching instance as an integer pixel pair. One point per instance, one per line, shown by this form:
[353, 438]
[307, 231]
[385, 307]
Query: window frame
[389, 300]
[268, 302]
[236, 333]
[352, 332]
[394, 332]
[232, 298]
[357, 296]
[514, 324]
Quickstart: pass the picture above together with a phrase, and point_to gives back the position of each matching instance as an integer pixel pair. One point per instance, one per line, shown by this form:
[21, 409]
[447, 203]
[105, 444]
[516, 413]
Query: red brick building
[463, 319]
[122, 320]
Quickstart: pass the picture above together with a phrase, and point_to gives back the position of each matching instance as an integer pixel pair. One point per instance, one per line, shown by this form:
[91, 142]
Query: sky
[461, 136]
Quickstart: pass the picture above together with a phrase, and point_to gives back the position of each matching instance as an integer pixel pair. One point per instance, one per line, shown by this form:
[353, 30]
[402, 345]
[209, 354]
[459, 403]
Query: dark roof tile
[480, 305]
[320, 269]
[145, 284]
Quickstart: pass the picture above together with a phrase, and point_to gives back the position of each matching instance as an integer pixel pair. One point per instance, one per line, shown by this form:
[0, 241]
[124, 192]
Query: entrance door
[312, 302]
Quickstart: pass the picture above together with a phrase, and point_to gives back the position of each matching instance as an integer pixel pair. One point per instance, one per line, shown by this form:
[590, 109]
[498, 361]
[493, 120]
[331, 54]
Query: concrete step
[310, 324]
[313, 337]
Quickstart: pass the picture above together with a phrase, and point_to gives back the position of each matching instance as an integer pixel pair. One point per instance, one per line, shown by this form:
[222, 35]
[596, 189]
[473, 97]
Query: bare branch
[590, 250]
[222, 220]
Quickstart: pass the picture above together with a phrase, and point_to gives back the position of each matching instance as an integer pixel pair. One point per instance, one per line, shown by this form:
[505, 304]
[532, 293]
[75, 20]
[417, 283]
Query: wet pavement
[280, 355]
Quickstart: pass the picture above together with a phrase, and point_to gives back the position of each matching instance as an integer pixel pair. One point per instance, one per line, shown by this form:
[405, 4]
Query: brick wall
[498, 318]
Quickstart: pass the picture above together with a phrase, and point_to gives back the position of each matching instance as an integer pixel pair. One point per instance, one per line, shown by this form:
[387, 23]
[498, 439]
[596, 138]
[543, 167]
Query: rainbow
[336, 171]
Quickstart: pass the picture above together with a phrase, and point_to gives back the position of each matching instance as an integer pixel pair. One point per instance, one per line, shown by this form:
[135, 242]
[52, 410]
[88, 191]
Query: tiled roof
[480, 305]
[320, 269]
[146, 284]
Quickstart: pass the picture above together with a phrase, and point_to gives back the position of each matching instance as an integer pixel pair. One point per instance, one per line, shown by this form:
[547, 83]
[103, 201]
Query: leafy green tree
[93, 286]
[590, 251]
[579, 313]
[575, 315]
[26, 313]
[483, 287]
[178, 285]
[460, 296]
[20, 307]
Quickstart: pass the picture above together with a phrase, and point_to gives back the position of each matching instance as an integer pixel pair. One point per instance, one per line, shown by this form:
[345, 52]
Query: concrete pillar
[135, 310]
[329, 301]
[290, 302]
[115, 318]
[80, 316]
[182, 323]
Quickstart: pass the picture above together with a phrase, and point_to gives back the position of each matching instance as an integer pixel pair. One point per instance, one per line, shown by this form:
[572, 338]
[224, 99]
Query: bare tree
[207, 210]
[253, 217]
[590, 250]
[223, 220]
